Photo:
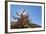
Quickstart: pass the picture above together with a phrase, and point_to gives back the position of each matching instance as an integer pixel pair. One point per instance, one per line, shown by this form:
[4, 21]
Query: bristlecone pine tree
[23, 21]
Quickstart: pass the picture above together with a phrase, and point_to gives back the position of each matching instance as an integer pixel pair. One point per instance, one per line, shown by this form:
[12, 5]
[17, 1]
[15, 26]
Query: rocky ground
[31, 25]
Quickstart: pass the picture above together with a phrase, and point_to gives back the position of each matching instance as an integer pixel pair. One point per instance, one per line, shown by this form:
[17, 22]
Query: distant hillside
[32, 25]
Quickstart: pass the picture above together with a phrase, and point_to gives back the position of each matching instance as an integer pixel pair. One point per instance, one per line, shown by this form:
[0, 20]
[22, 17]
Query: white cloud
[25, 13]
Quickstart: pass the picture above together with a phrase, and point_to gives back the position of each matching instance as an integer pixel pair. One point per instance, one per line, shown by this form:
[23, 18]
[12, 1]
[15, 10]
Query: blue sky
[35, 12]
